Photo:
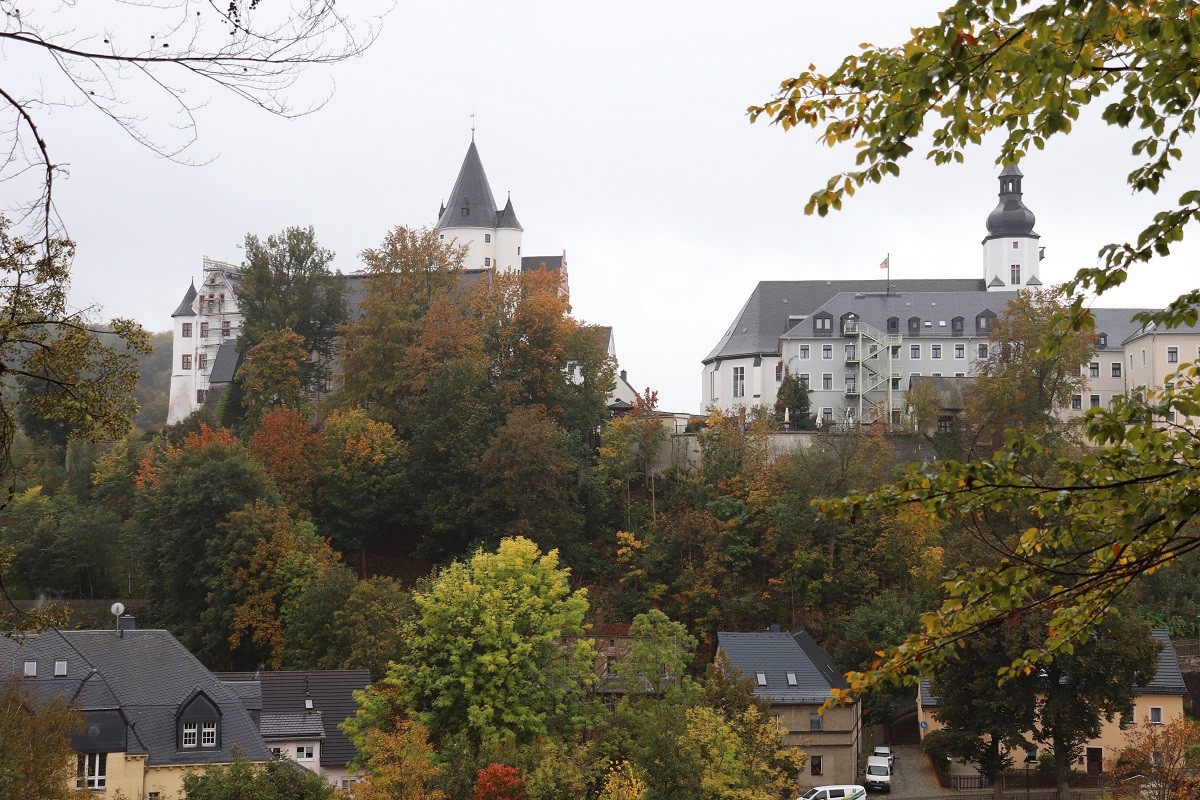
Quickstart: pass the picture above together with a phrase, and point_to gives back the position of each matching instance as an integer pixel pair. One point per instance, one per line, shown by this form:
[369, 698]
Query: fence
[1017, 783]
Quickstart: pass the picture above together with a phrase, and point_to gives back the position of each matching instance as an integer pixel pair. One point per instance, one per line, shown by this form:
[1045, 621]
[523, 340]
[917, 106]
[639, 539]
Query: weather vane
[472, 126]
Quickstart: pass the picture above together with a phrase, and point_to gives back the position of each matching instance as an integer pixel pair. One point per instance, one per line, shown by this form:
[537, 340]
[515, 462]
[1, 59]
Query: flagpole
[888, 261]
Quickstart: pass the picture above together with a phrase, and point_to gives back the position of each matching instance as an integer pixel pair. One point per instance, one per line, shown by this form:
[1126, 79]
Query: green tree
[287, 287]
[1090, 683]
[1026, 71]
[243, 780]
[660, 651]
[36, 758]
[272, 374]
[793, 408]
[314, 639]
[629, 450]
[496, 650]
[985, 721]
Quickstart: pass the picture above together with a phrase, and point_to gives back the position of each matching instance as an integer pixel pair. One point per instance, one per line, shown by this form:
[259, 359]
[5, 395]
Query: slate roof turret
[1010, 217]
[185, 306]
[508, 217]
[471, 203]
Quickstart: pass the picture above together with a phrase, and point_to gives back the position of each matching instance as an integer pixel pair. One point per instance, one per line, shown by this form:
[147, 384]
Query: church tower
[470, 218]
[1011, 255]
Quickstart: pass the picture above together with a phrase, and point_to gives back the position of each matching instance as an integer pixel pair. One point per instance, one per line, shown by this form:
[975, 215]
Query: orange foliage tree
[499, 782]
[286, 445]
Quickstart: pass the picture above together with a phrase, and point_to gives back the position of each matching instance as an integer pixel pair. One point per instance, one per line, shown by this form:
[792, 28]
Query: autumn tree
[398, 765]
[496, 650]
[1162, 754]
[273, 374]
[628, 451]
[287, 286]
[499, 782]
[1125, 507]
[286, 445]
[37, 761]
[246, 781]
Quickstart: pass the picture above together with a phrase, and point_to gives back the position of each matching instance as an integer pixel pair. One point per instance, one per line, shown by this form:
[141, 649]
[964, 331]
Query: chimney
[127, 622]
[775, 628]
[623, 375]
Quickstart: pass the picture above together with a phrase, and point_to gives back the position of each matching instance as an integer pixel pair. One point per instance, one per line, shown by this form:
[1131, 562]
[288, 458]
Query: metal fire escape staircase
[871, 391]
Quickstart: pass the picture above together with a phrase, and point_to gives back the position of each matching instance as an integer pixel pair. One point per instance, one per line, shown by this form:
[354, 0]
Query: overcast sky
[620, 130]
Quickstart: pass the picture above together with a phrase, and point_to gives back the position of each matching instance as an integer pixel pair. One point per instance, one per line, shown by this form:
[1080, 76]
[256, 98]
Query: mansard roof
[146, 676]
[471, 203]
[185, 306]
[938, 309]
[765, 316]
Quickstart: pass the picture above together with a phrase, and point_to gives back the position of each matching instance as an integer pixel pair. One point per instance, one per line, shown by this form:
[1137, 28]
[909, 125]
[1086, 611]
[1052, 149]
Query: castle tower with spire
[1011, 254]
[470, 217]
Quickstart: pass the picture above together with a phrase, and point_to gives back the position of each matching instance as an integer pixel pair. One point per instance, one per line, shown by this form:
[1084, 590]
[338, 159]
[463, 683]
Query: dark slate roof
[356, 288]
[308, 725]
[775, 654]
[248, 692]
[508, 217]
[549, 263]
[471, 192]
[226, 364]
[332, 693]
[185, 306]
[146, 675]
[1117, 324]
[1168, 679]
[1010, 217]
[933, 307]
[765, 316]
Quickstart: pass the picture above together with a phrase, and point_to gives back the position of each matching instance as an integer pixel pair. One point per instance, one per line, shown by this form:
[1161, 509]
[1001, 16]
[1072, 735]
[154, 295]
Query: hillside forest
[468, 440]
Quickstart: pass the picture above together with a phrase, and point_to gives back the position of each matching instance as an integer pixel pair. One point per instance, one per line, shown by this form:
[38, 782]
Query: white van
[848, 792]
[879, 774]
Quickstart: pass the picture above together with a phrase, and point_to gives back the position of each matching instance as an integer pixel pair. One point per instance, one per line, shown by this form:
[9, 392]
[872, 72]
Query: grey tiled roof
[225, 365]
[507, 218]
[1117, 323]
[549, 263]
[185, 306]
[765, 316]
[473, 193]
[146, 675]
[292, 726]
[332, 693]
[1167, 680]
[938, 308]
[775, 655]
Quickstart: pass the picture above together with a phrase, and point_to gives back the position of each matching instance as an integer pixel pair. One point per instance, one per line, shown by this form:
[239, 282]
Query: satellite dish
[117, 609]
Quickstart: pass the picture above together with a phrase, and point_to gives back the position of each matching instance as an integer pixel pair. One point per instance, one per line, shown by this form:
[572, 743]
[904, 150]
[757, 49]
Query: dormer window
[956, 325]
[1102, 340]
[893, 325]
[914, 325]
[983, 322]
[823, 323]
[466, 211]
[199, 723]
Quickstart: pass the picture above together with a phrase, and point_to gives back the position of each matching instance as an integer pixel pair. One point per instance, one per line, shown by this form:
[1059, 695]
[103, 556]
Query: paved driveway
[913, 776]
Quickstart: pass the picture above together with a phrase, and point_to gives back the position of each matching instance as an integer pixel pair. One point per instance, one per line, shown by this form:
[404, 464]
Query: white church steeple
[492, 236]
[1011, 254]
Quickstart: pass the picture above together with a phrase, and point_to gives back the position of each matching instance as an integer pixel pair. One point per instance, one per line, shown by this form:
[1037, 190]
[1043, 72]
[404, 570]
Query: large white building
[207, 321]
[858, 343]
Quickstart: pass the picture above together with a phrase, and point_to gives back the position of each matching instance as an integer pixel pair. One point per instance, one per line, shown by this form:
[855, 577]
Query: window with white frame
[1076, 402]
[91, 770]
[895, 351]
[1155, 715]
[1094, 369]
[827, 351]
[804, 351]
[849, 352]
[191, 734]
[1172, 355]
[935, 350]
[739, 381]
[960, 351]
[1094, 401]
[208, 734]
[1014, 274]
[762, 678]
[304, 752]
[817, 766]
[827, 381]
[814, 722]
[30, 669]
[827, 414]
[895, 384]
[1116, 369]
[804, 379]
[914, 351]
[983, 351]
[779, 372]
[823, 323]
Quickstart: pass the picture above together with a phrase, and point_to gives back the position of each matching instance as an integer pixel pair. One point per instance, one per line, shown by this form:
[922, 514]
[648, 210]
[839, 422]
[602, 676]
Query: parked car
[879, 774]
[846, 792]
[885, 752]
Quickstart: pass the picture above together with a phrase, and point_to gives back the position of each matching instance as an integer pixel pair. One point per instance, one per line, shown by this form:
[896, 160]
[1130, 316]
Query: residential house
[1156, 703]
[152, 712]
[300, 713]
[797, 677]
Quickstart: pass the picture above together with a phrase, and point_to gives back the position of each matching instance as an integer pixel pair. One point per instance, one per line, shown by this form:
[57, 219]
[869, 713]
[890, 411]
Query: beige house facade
[1158, 703]
[796, 676]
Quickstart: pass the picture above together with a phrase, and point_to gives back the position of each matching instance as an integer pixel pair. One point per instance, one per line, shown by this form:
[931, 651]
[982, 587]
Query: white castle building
[207, 321]
[859, 343]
